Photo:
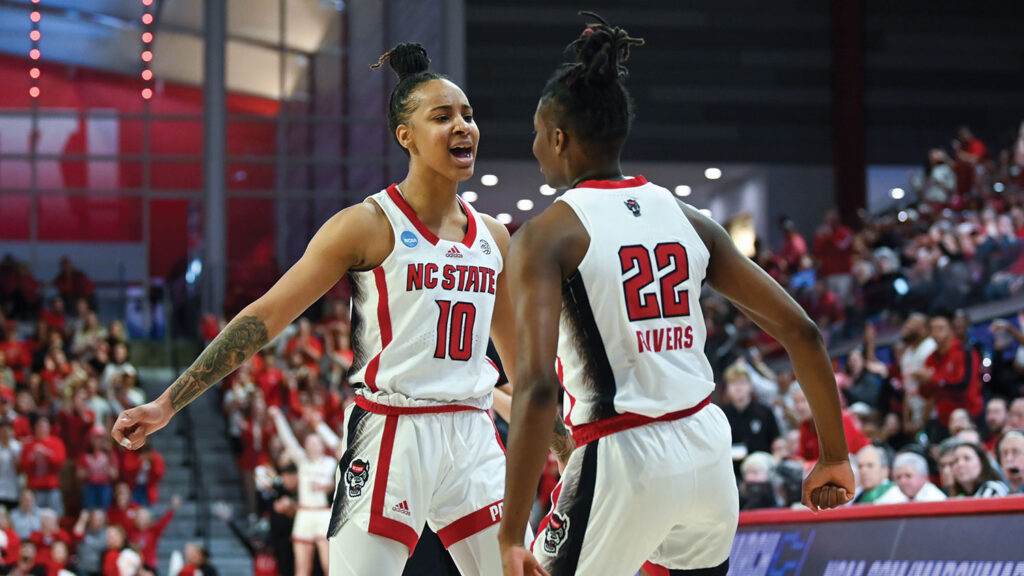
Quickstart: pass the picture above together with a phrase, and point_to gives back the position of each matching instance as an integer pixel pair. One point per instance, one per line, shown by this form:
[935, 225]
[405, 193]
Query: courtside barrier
[963, 537]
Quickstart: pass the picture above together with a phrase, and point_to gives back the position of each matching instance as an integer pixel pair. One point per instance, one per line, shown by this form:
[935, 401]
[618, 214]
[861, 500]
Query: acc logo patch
[357, 475]
[410, 239]
[485, 246]
[633, 206]
[556, 533]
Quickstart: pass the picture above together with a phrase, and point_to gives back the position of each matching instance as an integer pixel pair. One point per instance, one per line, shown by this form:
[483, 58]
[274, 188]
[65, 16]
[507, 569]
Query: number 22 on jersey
[668, 301]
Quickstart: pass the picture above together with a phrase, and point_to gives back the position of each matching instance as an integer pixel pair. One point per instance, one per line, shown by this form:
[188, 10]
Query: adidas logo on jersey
[454, 253]
[402, 508]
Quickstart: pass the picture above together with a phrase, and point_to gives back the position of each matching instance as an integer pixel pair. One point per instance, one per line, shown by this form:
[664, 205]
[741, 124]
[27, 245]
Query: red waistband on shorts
[371, 406]
[587, 433]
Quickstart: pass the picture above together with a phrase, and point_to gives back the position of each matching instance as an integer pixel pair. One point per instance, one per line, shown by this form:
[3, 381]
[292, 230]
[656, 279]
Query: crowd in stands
[938, 414]
[933, 398]
[70, 501]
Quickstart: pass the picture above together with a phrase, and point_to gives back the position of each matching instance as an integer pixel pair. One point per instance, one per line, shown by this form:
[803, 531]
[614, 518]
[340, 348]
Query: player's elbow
[801, 331]
[538, 390]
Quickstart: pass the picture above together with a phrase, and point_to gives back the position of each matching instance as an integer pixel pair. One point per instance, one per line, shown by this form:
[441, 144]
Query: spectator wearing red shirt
[855, 438]
[951, 377]
[793, 245]
[145, 537]
[122, 512]
[119, 554]
[24, 404]
[10, 543]
[143, 469]
[26, 562]
[197, 561]
[97, 471]
[41, 459]
[56, 317]
[833, 246]
[271, 381]
[73, 283]
[49, 534]
[257, 430]
[75, 422]
[306, 343]
[16, 353]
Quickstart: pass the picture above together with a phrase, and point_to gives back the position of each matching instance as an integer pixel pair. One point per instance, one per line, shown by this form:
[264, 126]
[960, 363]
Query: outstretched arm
[353, 238]
[284, 432]
[754, 292]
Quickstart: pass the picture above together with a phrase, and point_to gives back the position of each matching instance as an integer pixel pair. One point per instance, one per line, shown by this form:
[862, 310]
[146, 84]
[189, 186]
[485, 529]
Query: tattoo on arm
[561, 442]
[240, 340]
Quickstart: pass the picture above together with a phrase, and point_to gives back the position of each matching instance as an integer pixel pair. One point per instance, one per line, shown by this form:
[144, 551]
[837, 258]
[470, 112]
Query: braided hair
[590, 91]
[411, 64]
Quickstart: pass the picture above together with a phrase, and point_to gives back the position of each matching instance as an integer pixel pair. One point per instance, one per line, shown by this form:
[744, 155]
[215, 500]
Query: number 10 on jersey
[455, 330]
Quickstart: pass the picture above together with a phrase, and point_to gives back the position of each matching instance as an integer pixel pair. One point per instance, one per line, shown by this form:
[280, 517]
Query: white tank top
[313, 477]
[631, 337]
[421, 320]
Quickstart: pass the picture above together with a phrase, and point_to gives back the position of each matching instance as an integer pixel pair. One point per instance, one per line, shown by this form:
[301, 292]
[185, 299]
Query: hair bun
[406, 59]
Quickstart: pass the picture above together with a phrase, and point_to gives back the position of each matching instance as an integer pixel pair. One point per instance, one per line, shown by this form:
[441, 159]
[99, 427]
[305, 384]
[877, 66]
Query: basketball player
[316, 482]
[609, 279]
[425, 270]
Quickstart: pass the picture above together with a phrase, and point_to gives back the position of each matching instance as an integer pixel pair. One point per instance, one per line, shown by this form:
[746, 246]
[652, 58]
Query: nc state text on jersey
[461, 278]
[664, 339]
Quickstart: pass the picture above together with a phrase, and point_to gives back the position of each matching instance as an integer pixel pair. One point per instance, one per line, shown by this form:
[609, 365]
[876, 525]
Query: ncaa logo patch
[485, 247]
[410, 239]
[556, 533]
[357, 475]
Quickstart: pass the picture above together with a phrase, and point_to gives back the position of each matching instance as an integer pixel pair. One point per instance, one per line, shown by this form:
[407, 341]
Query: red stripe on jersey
[470, 524]
[547, 518]
[587, 433]
[399, 201]
[496, 435]
[498, 376]
[609, 184]
[384, 322]
[470, 225]
[380, 524]
[655, 570]
[371, 406]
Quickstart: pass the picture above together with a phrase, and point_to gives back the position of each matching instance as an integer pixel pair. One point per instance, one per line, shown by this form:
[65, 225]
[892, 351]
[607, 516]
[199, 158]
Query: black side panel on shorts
[720, 570]
[339, 512]
[577, 510]
[589, 346]
[359, 353]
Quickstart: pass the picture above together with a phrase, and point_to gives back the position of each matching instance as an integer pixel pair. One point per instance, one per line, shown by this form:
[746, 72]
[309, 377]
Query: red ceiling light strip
[35, 36]
[147, 50]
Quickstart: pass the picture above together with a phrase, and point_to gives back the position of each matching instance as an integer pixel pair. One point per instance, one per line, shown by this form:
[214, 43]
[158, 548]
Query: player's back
[632, 333]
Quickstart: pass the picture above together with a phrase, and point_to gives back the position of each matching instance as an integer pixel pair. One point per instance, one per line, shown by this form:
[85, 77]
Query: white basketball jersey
[421, 320]
[631, 336]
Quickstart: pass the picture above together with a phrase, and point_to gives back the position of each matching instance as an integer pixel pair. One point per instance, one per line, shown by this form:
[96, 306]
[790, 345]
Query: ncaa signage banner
[967, 537]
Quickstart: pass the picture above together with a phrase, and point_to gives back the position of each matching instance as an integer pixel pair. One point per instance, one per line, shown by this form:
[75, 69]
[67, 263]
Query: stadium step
[220, 479]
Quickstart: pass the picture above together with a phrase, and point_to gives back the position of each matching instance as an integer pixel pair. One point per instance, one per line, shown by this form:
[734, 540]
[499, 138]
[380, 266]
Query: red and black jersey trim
[360, 354]
[589, 346]
[339, 509]
[576, 507]
[656, 570]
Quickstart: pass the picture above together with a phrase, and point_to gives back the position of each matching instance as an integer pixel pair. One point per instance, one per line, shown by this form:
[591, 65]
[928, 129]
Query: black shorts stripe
[589, 346]
[360, 355]
[576, 509]
[720, 570]
[354, 437]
